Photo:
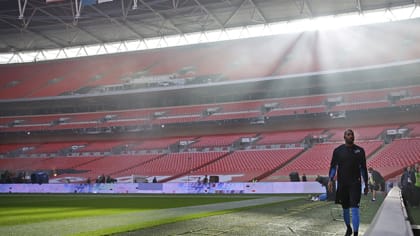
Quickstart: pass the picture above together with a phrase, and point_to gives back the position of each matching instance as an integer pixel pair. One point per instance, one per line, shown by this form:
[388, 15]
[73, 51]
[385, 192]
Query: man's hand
[366, 190]
[330, 186]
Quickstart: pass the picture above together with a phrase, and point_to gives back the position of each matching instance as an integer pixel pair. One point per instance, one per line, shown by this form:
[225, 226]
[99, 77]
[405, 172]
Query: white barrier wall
[391, 218]
[169, 188]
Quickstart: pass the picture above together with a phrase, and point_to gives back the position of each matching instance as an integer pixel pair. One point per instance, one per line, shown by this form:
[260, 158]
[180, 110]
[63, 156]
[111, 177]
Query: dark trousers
[416, 196]
[408, 194]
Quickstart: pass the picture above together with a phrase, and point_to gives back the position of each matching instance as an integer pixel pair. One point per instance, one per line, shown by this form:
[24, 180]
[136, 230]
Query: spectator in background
[389, 186]
[416, 201]
[304, 178]
[154, 180]
[408, 180]
[101, 179]
[376, 182]
[349, 163]
[205, 180]
[323, 180]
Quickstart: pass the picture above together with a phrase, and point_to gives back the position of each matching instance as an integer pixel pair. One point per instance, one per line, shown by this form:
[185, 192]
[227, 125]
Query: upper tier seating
[413, 91]
[250, 110]
[362, 96]
[100, 146]
[286, 137]
[296, 111]
[57, 147]
[163, 143]
[360, 106]
[414, 129]
[408, 101]
[305, 101]
[219, 140]
[7, 148]
[231, 60]
[231, 116]
[23, 80]
[242, 106]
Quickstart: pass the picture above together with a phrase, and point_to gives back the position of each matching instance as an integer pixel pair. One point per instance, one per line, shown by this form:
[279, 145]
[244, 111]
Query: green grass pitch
[22, 209]
[43, 214]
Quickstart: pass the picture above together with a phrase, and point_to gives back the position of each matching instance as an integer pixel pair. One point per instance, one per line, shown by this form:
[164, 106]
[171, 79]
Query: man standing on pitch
[349, 162]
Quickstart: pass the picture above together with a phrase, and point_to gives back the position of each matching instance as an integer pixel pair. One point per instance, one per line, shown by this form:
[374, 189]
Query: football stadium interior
[253, 110]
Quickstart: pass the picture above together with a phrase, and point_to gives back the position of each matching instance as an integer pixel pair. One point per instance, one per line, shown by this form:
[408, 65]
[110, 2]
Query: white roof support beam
[304, 4]
[22, 9]
[175, 4]
[126, 9]
[259, 12]
[161, 16]
[359, 6]
[135, 5]
[78, 9]
[70, 25]
[55, 42]
[209, 13]
[27, 22]
[116, 21]
[234, 13]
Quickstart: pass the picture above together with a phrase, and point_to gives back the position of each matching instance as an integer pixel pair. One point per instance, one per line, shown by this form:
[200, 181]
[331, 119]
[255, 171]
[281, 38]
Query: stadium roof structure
[45, 24]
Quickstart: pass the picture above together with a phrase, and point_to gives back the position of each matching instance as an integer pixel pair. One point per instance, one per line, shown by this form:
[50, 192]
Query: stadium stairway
[194, 169]
[270, 172]
[87, 162]
[376, 152]
[139, 164]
